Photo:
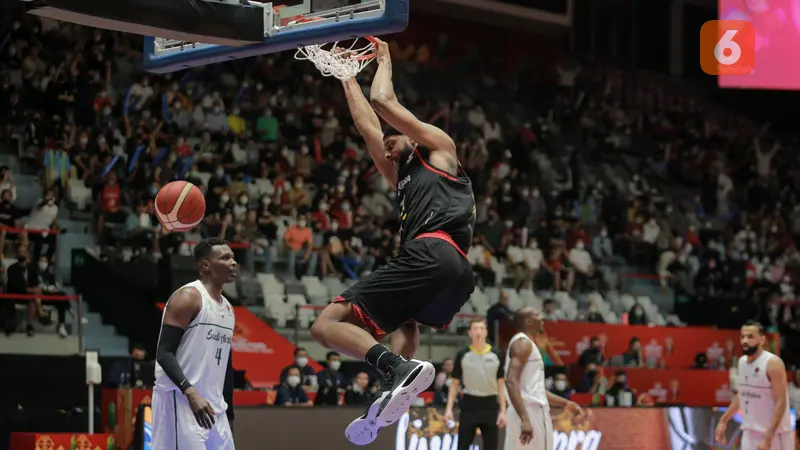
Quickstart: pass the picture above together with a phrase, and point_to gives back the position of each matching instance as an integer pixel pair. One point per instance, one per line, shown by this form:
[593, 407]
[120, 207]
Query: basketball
[180, 206]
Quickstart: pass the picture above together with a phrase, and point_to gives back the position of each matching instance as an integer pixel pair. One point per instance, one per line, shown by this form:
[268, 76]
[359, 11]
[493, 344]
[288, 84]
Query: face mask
[50, 202]
[301, 361]
[323, 207]
[299, 185]
[259, 87]
[302, 224]
[334, 226]
[224, 198]
[217, 110]
[579, 245]
[220, 173]
[293, 380]
[84, 141]
[266, 201]
[107, 111]
[560, 385]
[235, 112]
[334, 365]
[534, 244]
[244, 200]
[346, 207]
[42, 265]
[509, 224]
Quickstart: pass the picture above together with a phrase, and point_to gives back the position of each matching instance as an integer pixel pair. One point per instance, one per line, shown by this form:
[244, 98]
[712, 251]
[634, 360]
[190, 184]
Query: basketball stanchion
[298, 308]
[55, 298]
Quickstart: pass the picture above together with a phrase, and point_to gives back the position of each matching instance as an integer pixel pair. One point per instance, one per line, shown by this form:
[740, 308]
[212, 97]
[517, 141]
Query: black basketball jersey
[429, 199]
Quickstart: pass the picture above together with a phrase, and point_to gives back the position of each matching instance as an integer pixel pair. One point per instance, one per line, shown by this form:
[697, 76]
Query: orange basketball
[180, 206]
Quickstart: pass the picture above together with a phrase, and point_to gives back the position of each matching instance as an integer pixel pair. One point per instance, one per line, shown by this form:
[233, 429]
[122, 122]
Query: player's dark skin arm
[384, 101]
[182, 308]
[369, 126]
[519, 353]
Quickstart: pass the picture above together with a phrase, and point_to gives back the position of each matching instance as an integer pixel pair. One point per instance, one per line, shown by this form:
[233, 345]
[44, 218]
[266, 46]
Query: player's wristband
[168, 345]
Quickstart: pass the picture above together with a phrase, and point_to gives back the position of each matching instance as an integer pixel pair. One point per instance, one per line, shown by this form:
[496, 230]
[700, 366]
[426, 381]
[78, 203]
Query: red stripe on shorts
[373, 327]
[443, 236]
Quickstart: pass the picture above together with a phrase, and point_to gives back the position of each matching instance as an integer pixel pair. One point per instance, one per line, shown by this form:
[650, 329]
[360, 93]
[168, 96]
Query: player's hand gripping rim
[202, 410]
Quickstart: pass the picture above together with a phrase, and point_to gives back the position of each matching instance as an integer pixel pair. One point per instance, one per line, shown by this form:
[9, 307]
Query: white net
[343, 63]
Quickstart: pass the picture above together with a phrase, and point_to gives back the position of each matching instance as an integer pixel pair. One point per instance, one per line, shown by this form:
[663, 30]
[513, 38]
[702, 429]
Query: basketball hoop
[334, 61]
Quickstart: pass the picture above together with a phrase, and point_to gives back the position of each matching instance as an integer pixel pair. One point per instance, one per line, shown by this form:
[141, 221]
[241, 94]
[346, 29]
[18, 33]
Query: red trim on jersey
[434, 169]
[362, 316]
[443, 236]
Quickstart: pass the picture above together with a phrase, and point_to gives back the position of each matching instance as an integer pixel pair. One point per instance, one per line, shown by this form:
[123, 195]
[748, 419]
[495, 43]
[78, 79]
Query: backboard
[285, 28]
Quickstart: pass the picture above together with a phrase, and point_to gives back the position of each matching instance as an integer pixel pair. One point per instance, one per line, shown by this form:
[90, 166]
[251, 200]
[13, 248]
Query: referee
[479, 372]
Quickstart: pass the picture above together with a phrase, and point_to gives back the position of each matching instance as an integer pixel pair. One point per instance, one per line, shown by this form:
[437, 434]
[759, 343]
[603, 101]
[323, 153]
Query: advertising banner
[664, 346]
[259, 350]
[61, 441]
[674, 428]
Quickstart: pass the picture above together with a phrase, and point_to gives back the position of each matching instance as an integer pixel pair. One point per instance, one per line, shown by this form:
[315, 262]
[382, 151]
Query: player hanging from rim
[528, 422]
[430, 280]
[193, 392]
[762, 397]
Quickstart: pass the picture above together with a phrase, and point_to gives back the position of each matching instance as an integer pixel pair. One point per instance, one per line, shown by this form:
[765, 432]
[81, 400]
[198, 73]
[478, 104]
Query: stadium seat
[270, 284]
[479, 301]
[334, 285]
[79, 194]
[514, 300]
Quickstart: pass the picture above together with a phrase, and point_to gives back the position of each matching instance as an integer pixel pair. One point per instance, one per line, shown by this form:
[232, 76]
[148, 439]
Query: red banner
[666, 346]
[259, 350]
[61, 441]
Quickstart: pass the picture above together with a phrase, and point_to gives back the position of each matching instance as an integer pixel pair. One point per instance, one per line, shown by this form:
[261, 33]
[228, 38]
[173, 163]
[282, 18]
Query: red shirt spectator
[110, 195]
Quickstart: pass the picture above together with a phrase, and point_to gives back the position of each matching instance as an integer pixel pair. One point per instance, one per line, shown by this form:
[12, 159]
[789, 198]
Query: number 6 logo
[727, 43]
[727, 47]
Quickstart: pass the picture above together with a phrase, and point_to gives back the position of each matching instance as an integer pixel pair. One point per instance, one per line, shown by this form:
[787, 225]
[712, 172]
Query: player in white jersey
[193, 393]
[762, 397]
[528, 422]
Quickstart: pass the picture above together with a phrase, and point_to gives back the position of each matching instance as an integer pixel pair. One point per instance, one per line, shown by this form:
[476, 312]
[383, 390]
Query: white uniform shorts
[781, 441]
[175, 428]
[542, 429]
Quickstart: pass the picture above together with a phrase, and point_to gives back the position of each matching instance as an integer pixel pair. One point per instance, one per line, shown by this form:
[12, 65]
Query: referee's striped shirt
[478, 371]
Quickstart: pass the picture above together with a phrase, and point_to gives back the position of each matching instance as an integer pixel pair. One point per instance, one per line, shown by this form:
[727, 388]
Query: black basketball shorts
[428, 282]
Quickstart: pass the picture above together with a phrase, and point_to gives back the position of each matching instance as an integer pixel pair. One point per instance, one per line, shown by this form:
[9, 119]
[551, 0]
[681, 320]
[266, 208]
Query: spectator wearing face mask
[304, 163]
[360, 393]
[480, 258]
[637, 316]
[217, 121]
[593, 354]
[593, 380]
[290, 392]
[267, 127]
[441, 386]
[581, 260]
[619, 394]
[299, 247]
[561, 386]
[332, 383]
[298, 196]
[308, 379]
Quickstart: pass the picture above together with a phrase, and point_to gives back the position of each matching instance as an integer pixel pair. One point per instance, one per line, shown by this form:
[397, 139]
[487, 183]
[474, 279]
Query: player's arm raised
[719, 432]
[369, 126]
[519, 353]
[181, 309]
[385, 102]
[776, 371]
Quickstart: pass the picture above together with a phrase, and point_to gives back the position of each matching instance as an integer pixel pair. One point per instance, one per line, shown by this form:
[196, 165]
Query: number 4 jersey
[204, 349]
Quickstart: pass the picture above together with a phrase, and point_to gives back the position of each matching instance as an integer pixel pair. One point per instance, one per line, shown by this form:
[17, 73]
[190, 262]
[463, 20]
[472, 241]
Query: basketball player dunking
[528, 422]
[193, 393]
[763, 397]
[430, 280]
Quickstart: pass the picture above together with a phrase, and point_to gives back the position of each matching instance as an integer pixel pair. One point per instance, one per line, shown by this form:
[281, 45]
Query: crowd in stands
[595, 170]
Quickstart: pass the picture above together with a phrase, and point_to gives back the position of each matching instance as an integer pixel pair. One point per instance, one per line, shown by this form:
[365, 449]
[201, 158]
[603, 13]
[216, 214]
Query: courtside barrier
[671, 428]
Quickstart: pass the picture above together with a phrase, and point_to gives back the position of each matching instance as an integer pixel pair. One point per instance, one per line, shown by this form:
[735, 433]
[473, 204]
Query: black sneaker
[398, 392]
